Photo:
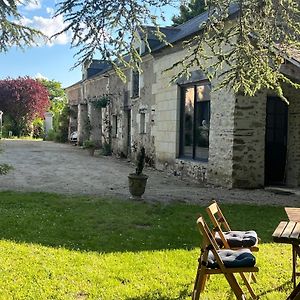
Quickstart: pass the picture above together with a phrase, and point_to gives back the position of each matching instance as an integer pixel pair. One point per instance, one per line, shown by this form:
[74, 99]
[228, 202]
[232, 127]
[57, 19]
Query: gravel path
[61, 168]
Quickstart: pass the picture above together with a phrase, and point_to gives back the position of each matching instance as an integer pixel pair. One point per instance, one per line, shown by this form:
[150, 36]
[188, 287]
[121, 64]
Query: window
[195, 120]
[114, 126]
[135, 84]
[142, 123]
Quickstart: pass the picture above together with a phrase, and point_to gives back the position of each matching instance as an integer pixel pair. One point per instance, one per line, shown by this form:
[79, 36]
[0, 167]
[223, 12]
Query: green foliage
[189, 11]
[12, 32]
[73, 247]
[101, 102]
[116, 24]
[58, 100]
[140, 161]
[59, 109]
[51, 135]
[246, 53]
[5, 168]
[38, 128]
[8, 125]
[89, 144]
[106, 149]
[63, 126]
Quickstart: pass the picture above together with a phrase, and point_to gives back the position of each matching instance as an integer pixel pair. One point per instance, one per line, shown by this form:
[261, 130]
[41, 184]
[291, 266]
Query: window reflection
[195, 122]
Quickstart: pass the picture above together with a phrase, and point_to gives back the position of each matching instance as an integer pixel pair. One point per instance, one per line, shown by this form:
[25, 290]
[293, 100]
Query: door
[128, 132]
[276, 141]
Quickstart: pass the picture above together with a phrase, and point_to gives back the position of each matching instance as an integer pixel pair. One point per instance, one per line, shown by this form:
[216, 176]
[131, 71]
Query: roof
[192, 26]
[182, 31]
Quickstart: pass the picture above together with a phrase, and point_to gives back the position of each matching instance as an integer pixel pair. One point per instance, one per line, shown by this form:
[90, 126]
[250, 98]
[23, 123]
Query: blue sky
[52, 61]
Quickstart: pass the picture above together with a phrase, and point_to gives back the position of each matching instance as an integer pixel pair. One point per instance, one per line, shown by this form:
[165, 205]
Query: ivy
[101, 102]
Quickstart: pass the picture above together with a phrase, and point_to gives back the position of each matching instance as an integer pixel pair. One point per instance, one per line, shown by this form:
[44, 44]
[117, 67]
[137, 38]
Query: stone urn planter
[137, 181]
[137, 184]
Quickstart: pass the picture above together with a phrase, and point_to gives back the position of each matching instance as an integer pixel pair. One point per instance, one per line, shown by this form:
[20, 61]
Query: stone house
[187, 127]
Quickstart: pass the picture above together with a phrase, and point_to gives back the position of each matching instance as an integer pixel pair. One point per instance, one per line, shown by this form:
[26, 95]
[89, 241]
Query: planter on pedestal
[137, 184]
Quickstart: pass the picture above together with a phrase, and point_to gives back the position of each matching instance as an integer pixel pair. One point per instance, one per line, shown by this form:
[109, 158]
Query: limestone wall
[218, 169]
[249, 141]
[115, 112]
[93, 89]
[74, 94]
[143, 113]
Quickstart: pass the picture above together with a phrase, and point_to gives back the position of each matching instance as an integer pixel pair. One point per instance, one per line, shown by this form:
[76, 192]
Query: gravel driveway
[61, 168]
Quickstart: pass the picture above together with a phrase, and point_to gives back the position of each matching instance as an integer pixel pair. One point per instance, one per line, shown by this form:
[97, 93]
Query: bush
[89, 144]
[106, 149]
[5, 168]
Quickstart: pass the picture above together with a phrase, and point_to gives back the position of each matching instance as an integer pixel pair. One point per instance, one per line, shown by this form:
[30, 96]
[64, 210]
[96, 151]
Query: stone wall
[94, 88]
[249, 141]
[293, 154]
[143, 113]
[116, 113]
[218, 169]
[74, 94]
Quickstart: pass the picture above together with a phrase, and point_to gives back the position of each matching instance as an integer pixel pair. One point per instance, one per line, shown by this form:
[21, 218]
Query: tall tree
[12, 32]
[110, 28]
[23, 99]
[247, 51]
[189, 11]
[245, 43]
[59, 108]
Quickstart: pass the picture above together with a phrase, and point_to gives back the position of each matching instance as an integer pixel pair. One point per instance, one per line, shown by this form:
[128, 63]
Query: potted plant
[137, 181]
[90, 146]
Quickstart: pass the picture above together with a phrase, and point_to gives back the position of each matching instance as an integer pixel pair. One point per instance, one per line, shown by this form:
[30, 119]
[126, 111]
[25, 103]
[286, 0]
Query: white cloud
[48, 26]
[50, 10]
[25, 21]
[40, 76]
[33, 5]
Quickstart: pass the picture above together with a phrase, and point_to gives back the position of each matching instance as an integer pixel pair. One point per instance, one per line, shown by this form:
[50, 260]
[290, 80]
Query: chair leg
[295, 295]
[294, 265]
[247, 283]
[252, 277]
[196, 291]
[235, 286]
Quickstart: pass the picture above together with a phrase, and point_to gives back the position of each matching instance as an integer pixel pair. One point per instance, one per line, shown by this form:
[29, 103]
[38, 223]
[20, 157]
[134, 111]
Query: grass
[61, 247]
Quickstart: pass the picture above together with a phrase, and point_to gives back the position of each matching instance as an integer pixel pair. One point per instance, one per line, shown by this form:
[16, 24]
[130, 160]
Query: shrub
[5, 168]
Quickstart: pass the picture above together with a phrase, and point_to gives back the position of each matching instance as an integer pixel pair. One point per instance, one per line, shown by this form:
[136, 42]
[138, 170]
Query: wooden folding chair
[215, 261]
[223, 230]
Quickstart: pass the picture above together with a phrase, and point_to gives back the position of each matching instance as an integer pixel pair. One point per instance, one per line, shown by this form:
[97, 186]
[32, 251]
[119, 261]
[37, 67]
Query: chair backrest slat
[216, 216]
[209, 242]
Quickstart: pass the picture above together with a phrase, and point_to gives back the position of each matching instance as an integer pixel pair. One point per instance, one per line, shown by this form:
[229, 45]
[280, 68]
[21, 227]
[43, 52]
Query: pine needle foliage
[247, 49]
[111, 28]
[188, 11]
[12, 32]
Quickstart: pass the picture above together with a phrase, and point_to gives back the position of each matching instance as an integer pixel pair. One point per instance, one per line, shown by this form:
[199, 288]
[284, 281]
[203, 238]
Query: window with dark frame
[142, 122]
[195, 121]
[115, 126]
[135, 84]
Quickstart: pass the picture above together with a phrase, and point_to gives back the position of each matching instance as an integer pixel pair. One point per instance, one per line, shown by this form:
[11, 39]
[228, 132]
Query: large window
[195, 121]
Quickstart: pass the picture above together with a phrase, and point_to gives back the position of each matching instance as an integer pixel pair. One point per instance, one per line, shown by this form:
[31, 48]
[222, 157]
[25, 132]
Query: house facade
[188, 127]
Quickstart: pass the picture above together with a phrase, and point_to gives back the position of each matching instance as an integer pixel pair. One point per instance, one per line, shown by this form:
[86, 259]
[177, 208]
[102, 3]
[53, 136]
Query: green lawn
[61, 247]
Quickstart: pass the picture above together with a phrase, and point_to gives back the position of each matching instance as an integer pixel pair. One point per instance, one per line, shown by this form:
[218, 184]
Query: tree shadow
[109, 225]
[156, 294]
[285, 287]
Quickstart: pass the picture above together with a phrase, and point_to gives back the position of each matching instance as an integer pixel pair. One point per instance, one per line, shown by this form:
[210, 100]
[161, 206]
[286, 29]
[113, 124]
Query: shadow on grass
[107, 225]
[285, 287]
[184, 294]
